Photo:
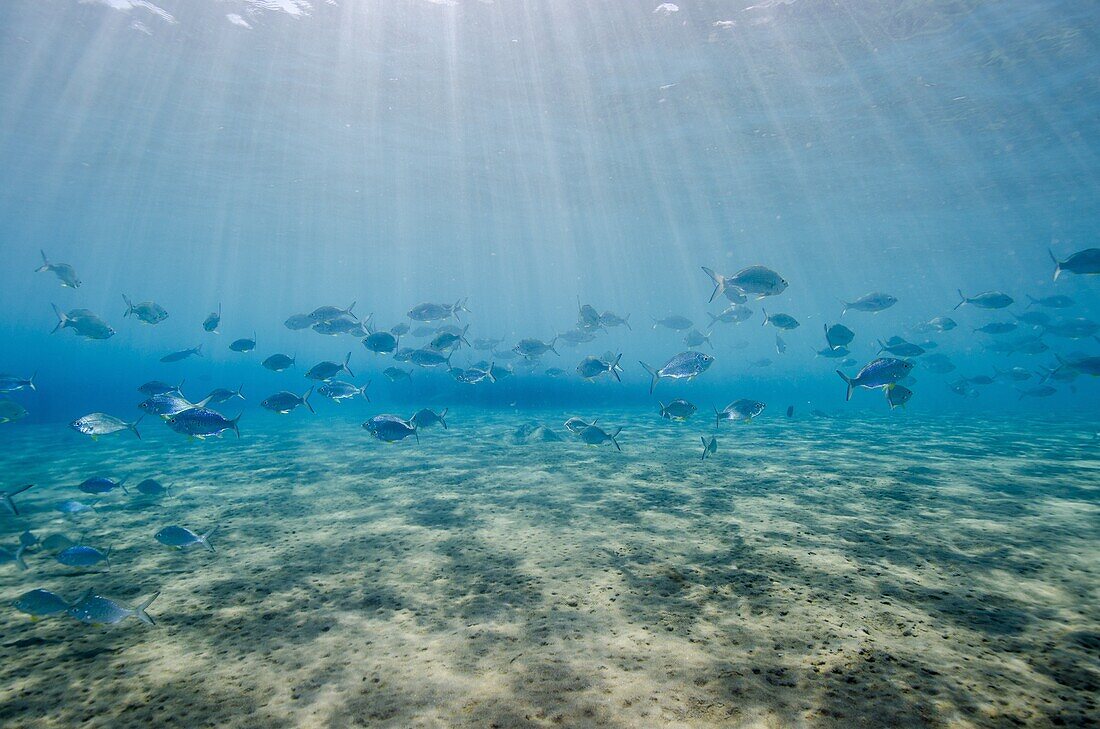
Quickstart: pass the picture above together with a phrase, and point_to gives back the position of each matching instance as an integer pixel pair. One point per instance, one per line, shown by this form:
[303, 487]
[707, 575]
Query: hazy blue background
[524, 153]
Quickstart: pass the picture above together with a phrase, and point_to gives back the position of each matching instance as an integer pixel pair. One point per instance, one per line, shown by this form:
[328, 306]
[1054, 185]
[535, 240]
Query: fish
[81, 555]
[330, 313]
[576, 425]
[97, 424]
[720, 283]
[17, 556]
[592, 367]
[98, 610]
[327, 370]
[156, 387]
[11, 411]
[28, 539]
[202, 423]
[426, 418]
[6, 500]
[183, 538]
[610, 319]
[980, 380]
[65, 273]
[445, 340]
[1034, 318]
[244, 344]
[780, 345]
[790, 411]
[1058, 301]
[337, 390]
[829, 353]
[742, 410]
[1084, 364]
[220, 395]
[674, 322]
[531, 348]
[72, 508]
[40, 603]
[381, 342]
[400, 330]
[758, 280]
[838, 336]
[687, 365]
[594, 435]
[473, 375]
[696, 338]
[102, 485]
[872, 303]
[710, 447]
[897, 395]
[1013, 374]
[880, 372]
[168, 404]
[436, 312]
[182, 354]
[1085, 262]
[390, 428]
[587, 316]
[212, 320]
[278, 362]
[997, 327]
[987, 300]
[393, 374]
[148, 312]
[1077, 328]
[297, 322]
[938, 324]
[84, 324]
[338, 326]
[11, 383]
[284, 402]
[487, 345]
[901, 348]
[428, 358]
[1038, 391]
[152, 487]
[780, 321]
[679, 409]
[733, 314]
[577, 336]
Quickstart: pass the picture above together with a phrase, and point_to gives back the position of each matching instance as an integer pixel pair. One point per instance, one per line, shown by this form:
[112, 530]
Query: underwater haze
[501, 363]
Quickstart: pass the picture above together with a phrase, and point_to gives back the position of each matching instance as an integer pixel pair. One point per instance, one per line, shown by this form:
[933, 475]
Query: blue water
[267, 157]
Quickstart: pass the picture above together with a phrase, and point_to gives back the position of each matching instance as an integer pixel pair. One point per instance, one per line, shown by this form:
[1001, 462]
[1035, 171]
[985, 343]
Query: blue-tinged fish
[183, 538]
[679, 409]
[148, 312]
[102, 485]
[997, 327]
[838, 353]
[243, 345]
[220, 395]
[202, 423]
[11, 411]
[40, 603]
[393, 374]
[81, 555]
[169, 403]
[610, 319]
[838, 336]
[97, 424]
[284, 402]
[446, 340]
[212, 320]
[330, 313]
[73, 508]
[710, 447]
[576, 426]
[877, 373]
[897, 395]
[1077, 328]
[83, 322]
[780, 321]
[327, 370]
[390, 428]
[686, 365]
[11, 383]
[156, 387]
[6, 500]
[152, 487]
[7, 555]
[594, 435]
[426, 418]
[278, 362]
[872, 303]
[298, 322]
[381, 342]
[336, 391]
[65, 273]
[182, 355]
[758, 280]
[436, 312]
[739, 411]
[1086, 262]
[987, 300]
[428, 358]
[675, 322]
[532, 348]
[98, 610]
[733, 314]
[1058, 301]
[592, 367]
[1038, 391]
[900, 348]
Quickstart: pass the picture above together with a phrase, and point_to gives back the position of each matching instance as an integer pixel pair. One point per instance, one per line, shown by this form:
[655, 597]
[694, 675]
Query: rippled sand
[815, 572]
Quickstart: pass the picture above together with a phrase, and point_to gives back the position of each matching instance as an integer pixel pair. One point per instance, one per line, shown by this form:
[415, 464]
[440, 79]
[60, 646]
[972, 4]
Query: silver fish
[65, 273]
[592, 367]
[102, 485]
[674, 322]
[780, 321]
[336, 391]
[576, 426]
[743, 410]
[298, 321]
[182, 354]
[83, 322]
[81, 555]
[733, 314]
[873, 303]
[202, 423]
[531, 348]
[838, 336]
[330, 313]
[987, 300]
[284, 402]
[98, 610]
[877, 373]
[40, 603]
[327, 370]
[426, 418]
[149, 312]
[897, 395]
[183, 538]
[11, 383]
[278, 362]
[97, 424]
[390, 428]
[678, 409]
[156, 387]
[687, 365]
[220, 395]
[594, 435]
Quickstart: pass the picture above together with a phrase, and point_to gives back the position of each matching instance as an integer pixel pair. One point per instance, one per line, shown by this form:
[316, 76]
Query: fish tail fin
[616, 368]
[205, 401]
[653, 374]
[133, 426]
[363, 391]
[704, 448]
[238, 393]
[305, 400]
[719, 283]
[1057, 265]
[62, 320]
[107, 557]
[143, 616]
[350, 310]
[664, 410]
[179, 387]
[129, 305]
[766, 318]
[11, 504]
[881, 346]
[30, 381]
[626, 320]
[1032, 301]
[198, 351]
[717, 418]
[962, 299]
[19, 561]
[1022, 394]
[552, 343]
[442, 415]
[843, 309]
[205, 538]
[492, 377]
[46, 263]
[122, 485]
[847, 381]
[347, 369]
[614, 436]
[713, 320]
[234, 423]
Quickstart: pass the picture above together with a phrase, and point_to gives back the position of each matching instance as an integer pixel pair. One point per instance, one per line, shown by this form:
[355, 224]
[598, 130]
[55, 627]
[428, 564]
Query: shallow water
[824, 571]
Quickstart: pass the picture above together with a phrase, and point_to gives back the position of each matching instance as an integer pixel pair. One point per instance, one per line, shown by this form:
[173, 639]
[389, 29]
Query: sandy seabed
[897, 572]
